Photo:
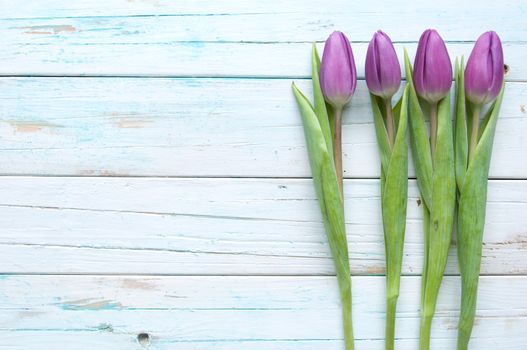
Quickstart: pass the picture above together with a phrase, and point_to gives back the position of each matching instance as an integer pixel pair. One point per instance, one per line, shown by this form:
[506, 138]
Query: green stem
[390, 322]
[337, 146]
[433, 128]
[426, 326]
[426, 321]
[346, 316]
[474, 135]
[390, 125]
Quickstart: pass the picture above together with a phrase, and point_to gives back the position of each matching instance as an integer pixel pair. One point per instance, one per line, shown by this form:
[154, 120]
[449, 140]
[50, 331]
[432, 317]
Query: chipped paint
[49, 29]
[31, 126]
[375, 270]
[131, 123]
[89, 304]
[136, 283]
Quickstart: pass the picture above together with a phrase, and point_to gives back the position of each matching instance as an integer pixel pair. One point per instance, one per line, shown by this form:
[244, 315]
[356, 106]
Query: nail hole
[143, 339]
[506, 68]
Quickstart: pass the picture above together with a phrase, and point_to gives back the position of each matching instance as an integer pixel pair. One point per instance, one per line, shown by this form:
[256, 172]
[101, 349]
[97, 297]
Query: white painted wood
[195, 127]
[221, 226]
[31, 56]
[220, 126]
[230, 38]
[239, 312]
[273, 20]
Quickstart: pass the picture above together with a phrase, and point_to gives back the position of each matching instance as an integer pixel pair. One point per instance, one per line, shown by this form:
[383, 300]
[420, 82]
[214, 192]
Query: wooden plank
[273, 20]
[221, 226]
[266, 312]
[59, 54]
[199, 59]
[195, 127]
[204, 39]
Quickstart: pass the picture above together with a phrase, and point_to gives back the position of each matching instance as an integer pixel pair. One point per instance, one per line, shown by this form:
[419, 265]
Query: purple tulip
[338, 75]
[485, 70]
[383, 72]
[432, 67]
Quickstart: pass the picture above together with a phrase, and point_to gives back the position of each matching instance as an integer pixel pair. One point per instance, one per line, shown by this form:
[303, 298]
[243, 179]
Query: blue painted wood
[228, 114]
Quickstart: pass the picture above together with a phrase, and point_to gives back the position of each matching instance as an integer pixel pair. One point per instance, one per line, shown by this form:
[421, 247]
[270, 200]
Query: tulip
[432, 75]
[434, 165]
[432, 67]
[480, 83]
[338, 75]
[338, 80]
[383, 72]
[383, 75]
[483, 79]
[484, 72]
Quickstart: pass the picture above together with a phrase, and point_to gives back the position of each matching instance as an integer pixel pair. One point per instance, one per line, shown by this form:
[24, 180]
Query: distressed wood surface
[265, 312]
[221, 226]
[154, 178]
[230, 38]
[195, 127]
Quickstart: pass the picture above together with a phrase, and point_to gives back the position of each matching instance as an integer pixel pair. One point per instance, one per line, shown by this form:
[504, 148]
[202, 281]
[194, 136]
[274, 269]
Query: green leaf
[471, 222]
[331, 205]
[461, 136]
[380, 130]
[394, 203]
[397, 111]
[320, 103]
[442, 206]
[419, 139]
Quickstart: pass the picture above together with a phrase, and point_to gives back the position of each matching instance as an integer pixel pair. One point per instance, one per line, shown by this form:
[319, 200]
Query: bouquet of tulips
[451, 160]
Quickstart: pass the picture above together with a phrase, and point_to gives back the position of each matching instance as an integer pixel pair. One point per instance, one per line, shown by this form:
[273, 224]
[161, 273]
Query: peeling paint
[31, 126]
[49, 29]
[89, 304]
[135, 283]
[375, 270]
[131, 123]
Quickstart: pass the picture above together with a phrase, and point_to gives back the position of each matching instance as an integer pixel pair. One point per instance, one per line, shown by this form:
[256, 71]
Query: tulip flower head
[485, 71]
[338, 75]
[383, 72]
[432, 67]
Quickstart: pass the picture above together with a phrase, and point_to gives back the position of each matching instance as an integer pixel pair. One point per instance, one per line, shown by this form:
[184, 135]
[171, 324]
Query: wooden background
[154, 178]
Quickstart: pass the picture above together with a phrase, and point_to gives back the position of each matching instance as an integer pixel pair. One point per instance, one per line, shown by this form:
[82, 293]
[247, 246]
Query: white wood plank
[232, 39]
[203, 59]
[43, 54]
[221, 226]
[195, 127]
[265, 312]
[274, 20]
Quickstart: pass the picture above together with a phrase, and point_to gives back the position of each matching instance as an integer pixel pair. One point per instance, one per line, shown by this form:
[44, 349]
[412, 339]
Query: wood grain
[236, 38]
[221, 226]
[195, 127]
[265, 312]
[160, 138]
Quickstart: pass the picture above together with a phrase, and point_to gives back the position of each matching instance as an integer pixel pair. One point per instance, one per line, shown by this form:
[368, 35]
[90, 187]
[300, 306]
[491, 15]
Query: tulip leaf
[397, 111]
[331, 205]
[461, 136]
[377, 106]
[320, 103]
[394, 193]
[471, 222]
[486, 119]
[442, 207]
[437, 184]
[420, 145]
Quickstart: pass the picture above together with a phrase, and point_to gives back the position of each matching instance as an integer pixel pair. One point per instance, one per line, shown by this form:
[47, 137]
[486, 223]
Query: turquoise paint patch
[88, 304]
